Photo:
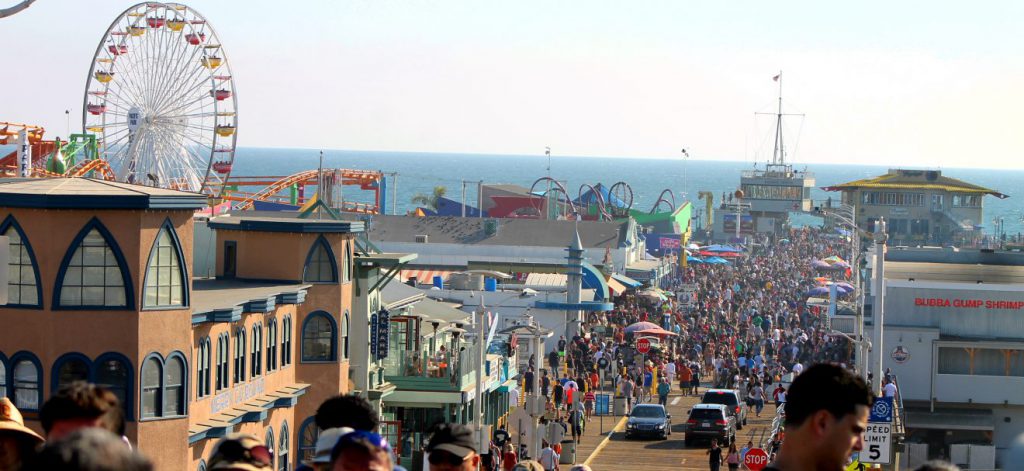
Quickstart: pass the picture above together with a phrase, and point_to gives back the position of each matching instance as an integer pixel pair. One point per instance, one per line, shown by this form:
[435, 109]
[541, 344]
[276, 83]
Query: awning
[438, 311]
[510, 384]
[256, 409]
[549, 280]
[424, 276]
[627, 281]
[616, 287]
[951, 419]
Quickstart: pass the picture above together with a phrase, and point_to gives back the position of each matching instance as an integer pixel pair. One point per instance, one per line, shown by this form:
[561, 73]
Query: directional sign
[602, 363]
[881, 411]
[756, 459]
[877, 443]
[643, 345]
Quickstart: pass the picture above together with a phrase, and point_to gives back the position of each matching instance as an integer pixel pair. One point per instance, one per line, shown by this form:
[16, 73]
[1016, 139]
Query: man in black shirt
[714, 455]
[826, 415]
[528, 380]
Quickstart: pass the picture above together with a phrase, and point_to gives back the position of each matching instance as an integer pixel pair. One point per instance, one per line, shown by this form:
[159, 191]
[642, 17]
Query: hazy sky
[915, 83]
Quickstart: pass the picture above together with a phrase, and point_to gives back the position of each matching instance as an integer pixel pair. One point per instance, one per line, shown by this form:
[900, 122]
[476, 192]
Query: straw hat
[11, 420]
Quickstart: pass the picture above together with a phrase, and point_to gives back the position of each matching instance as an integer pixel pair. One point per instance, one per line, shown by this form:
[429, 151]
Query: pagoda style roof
[902, 179]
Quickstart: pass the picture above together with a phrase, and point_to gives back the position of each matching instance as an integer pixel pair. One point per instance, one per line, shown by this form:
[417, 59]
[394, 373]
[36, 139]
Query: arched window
[166, 280]
[286, 341]
[23, 286]
[308, 433]
[347, 262]
[240, 352]
[113, 372]
[174, 385]
[268, 440]
[93, 274]
[271, 345]
[320, 264]
[202, 465]
[3, 376]
[69, 368]
[318, 338]
[203, 365]
[282, 448]
[222, 362]
[152, 373]
[257, 350]
[344, 336]
[26, 384]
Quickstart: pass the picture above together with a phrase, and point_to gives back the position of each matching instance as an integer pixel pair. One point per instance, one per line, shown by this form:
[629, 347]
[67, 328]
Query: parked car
[709, 421]
[730, 398]
[649, 419]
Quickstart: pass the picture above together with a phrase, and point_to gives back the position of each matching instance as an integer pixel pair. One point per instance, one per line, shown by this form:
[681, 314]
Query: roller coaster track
[86, 166]
[277, 186]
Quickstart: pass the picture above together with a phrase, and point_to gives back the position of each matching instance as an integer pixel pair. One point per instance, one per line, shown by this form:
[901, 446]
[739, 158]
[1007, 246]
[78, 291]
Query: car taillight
[720, 422]
[691, 421]
[737, 409]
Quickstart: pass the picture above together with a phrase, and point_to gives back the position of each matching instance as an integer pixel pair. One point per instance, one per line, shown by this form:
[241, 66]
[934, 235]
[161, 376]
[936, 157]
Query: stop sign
[756, 459]
[643, 345]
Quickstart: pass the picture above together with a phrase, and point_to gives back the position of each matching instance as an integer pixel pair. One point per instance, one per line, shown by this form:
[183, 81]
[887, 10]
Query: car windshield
[706, 414]
[724, 398]
[648, 412]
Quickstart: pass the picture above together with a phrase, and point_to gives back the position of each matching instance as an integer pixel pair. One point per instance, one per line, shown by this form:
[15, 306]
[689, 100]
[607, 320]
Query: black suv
[649, 419]
[710, 421]
[730, 398]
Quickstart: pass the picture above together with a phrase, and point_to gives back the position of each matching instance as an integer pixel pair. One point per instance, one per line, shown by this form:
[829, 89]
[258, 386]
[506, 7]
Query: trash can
[568, 455]
[619, 406]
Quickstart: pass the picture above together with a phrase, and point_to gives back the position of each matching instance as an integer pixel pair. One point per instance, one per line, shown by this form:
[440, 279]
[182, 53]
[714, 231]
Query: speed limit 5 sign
[877, 443]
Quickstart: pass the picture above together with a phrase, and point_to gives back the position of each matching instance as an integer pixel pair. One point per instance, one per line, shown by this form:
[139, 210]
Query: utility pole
[480, 199]
[394, 201]
[463, 198]
[478, 406]
[879, 305]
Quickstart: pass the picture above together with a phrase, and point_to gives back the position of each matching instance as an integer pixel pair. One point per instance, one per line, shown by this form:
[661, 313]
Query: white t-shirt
[548, 458]
[798, 368]
[890, 390]
[782, 396]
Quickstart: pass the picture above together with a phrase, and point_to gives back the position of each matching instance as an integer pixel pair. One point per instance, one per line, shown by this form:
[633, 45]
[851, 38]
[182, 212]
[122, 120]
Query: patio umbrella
[659, 332]
[693, 246]
[641, 326]
[690, 259]
[833, 260]
[840, 265]
[845, 285]
[821, 265]
[819, 291]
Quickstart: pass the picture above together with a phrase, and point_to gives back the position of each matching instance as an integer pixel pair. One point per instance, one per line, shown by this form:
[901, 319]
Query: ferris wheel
[161, 99]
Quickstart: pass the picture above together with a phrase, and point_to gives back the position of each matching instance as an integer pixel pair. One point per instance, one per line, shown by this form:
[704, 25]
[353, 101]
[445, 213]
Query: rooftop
[474, 231]
[90, 193]
[212, 295]
[904, 179]
[268, 221]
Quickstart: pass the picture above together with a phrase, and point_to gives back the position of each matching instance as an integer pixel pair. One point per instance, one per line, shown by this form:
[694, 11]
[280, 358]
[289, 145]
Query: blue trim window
[152, 371]
[347, 262]
[23, 275]
[174, 385]
[286, 341]
[240, 351]
[203, 364]
[320, 264]
[271, 345]
[164, 383]
[3, 376]
[26, 381]
[202, 465]
[282, 448]
[268, 439]
[165, 277]
[308, 434]
[113, 371]
[257, 351]
[93, 273]
[318, 338]
[69, 368]
[344, 336]
[223, 342]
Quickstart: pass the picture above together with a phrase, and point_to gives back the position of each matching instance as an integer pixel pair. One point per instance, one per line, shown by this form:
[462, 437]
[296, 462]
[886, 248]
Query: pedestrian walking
[715, 457]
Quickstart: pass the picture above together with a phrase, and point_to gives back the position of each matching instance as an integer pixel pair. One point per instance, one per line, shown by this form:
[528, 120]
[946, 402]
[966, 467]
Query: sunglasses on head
[365, 437]
[234, 451]
[440, 457]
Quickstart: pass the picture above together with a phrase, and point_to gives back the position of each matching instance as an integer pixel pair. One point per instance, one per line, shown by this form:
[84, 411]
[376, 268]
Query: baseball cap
[325, 443]
[11, 420]
[528, 465]
[241, 452]
[454, 438]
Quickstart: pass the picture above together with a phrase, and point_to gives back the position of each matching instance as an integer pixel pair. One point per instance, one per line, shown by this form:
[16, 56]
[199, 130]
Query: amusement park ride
[160, 109]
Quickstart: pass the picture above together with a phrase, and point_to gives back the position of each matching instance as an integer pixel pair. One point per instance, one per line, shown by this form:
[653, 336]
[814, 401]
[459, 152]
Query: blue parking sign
[881, 411]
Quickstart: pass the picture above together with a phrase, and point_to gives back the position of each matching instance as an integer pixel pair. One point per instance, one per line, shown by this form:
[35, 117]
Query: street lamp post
[879, 303]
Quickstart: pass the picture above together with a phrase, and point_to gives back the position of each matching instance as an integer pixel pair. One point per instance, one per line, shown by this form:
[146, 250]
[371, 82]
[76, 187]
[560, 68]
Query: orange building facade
[101, 289]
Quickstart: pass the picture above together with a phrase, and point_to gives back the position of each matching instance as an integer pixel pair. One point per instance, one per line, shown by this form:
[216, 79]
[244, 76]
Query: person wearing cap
[325, 442]
[528, 465]
[17, 442]
[361, 451]
[240, 452]
[452, 447]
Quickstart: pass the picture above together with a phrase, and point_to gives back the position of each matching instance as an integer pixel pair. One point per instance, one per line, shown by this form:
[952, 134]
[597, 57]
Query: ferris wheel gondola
[161, 97]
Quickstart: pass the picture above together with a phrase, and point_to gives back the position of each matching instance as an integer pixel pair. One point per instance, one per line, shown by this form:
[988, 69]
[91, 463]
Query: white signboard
[877, 443]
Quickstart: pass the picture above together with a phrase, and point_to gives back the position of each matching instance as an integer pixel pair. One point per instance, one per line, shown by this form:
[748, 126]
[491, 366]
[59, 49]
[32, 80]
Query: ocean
[420, 172]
